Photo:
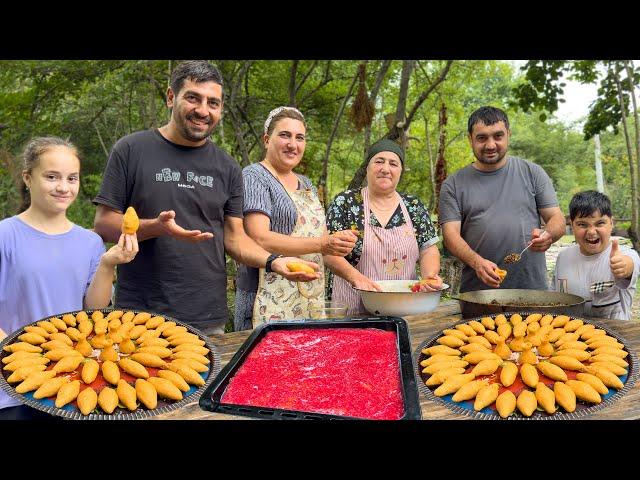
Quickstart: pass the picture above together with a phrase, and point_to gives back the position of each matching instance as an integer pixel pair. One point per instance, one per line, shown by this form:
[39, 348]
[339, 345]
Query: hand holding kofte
[501, 273]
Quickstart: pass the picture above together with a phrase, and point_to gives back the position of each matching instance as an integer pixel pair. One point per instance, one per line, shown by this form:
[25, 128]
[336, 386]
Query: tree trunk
[360, 174]
[104, 147]
[629, 69]
[358, 178]
[257, 136]
[441, 165]
[169, 72]
[292, 83]
[399, 128]
[326, 78]
[129, 106]
[322, 184]
[432, 183]
[634, 229]
[152, 104]
[239, 134]
[599, 178]
[384, 68]
[441, 77]
[235, 86]
[451, 273]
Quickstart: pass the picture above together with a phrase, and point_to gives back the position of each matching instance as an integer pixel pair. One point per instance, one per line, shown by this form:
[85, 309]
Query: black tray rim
[138, 414]
[632, 377]
[408, 379]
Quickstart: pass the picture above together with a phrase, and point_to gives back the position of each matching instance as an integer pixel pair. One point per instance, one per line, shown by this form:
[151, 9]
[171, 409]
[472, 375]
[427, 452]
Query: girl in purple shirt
[48, 265]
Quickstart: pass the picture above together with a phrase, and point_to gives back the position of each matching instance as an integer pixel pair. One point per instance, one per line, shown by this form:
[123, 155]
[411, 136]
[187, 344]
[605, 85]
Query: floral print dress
[346, 212]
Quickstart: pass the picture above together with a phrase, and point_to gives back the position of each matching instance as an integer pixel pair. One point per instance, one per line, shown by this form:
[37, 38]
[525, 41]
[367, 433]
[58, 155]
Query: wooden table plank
[421, 328]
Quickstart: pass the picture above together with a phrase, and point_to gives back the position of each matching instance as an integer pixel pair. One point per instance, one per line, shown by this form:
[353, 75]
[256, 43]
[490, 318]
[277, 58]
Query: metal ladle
[516, 257]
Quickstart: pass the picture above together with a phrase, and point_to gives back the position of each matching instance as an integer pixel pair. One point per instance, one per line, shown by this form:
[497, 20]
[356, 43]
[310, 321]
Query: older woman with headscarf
[283, 214]
[396, 232]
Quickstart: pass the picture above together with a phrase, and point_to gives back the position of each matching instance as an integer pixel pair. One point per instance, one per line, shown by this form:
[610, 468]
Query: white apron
[278, 298]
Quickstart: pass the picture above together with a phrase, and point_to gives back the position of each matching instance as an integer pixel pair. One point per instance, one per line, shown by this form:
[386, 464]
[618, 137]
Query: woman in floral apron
[396, 232]
[284, 215]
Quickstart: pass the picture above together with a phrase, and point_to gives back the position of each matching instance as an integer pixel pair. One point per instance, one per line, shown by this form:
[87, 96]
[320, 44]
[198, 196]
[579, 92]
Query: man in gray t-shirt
[492, 208]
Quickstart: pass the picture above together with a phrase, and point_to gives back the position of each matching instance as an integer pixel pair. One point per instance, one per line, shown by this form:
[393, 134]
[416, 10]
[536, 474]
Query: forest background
[348, 105]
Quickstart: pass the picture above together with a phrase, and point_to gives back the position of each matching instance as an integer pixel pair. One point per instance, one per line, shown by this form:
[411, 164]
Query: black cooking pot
[487, 302]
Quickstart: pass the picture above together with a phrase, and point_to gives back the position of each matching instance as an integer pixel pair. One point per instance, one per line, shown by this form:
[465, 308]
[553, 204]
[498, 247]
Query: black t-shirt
[201, 184]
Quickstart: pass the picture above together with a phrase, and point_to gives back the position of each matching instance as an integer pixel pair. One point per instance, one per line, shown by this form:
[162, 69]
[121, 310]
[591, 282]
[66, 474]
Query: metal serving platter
[582, 410]
[71, 410]
[211, 398]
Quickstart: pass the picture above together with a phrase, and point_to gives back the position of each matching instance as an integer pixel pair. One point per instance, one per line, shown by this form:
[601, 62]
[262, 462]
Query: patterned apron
[387, 254]
[278, 298]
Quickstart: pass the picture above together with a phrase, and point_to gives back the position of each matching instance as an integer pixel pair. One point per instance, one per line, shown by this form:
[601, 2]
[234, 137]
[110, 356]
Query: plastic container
[211, 398]
[328, 310]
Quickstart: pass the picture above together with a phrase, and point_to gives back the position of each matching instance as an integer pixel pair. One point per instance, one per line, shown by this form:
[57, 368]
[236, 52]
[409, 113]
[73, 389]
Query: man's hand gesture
[169, 227]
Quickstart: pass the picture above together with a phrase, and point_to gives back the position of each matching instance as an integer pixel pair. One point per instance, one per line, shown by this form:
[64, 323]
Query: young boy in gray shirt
[597, 268]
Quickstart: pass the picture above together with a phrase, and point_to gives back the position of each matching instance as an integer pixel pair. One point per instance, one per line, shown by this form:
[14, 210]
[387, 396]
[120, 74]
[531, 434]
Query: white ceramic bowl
[397, 299]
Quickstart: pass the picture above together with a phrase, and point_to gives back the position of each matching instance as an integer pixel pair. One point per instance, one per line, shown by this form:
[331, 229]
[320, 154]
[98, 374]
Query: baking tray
[71, 410]
[582, 410]
[211, 398]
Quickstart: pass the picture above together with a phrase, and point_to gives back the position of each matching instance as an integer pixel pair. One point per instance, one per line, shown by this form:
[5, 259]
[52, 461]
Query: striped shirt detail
[265, 194]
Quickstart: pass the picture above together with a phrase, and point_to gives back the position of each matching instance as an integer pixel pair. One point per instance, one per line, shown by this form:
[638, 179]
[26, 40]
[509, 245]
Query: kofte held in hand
[130, 221]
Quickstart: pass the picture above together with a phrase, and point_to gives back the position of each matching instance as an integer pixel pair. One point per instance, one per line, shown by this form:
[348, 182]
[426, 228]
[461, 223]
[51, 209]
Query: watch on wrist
[270, 260]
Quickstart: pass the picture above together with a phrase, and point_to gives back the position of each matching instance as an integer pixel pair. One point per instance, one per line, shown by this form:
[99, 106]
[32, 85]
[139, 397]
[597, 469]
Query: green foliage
[9, 196]
[615, 166]
[81, 212]
[541, 89]
[91, 184]
[94, 103]
[563, 154]
[607, 111]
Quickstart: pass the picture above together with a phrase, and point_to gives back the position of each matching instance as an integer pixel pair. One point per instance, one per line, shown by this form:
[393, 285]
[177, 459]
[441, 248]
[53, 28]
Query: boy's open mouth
[593, 241]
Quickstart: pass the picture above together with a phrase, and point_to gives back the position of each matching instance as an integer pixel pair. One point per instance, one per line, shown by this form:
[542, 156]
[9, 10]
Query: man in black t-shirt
[188, 194]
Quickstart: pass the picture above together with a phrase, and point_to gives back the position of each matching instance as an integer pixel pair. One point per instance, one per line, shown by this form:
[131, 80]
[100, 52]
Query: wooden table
[422, 327]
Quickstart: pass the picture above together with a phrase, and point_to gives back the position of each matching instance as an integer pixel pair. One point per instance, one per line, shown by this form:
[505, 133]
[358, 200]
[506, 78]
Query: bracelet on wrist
[270, 260]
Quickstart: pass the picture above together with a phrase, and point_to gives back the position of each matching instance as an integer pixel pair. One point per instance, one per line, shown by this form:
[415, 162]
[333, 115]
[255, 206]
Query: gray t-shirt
[497, 211]
[581, 271]
[263, 193]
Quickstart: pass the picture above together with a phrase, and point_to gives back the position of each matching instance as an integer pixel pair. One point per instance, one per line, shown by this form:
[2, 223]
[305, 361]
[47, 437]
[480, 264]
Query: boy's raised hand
[621, 265]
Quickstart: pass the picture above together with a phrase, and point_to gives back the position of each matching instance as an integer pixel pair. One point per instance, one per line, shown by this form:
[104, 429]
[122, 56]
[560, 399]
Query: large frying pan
[484, 302]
